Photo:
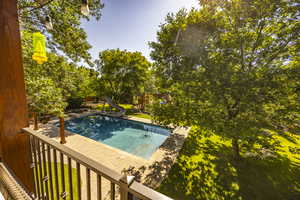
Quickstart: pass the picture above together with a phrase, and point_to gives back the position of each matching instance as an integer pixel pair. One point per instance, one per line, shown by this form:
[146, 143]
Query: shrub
[74, 102]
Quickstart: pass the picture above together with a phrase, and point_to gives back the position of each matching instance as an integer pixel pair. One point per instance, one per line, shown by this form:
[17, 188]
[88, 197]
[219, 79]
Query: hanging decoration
[39, 48]
[85, 7]
[48, 23]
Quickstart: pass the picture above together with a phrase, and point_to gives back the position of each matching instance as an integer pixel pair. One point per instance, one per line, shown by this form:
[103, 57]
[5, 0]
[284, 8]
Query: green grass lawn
[74, 180]
[141, 115]
[130, 111]
[107, 107]
[205, 170]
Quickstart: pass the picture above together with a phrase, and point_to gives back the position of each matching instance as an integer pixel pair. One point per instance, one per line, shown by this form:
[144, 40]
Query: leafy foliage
[122, 74]
[67, 36]
[44, 97]
[65, 80]
[231, 68]
[205, 170]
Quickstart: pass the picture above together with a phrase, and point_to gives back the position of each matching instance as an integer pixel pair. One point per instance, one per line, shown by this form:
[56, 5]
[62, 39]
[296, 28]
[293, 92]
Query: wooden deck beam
[14, 145]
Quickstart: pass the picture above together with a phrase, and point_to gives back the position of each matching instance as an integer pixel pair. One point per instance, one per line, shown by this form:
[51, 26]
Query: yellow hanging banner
[39, 48]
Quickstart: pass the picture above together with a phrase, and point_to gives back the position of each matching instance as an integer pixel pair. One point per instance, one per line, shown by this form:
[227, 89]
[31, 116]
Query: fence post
[125, 182]
[35, 119]
[62, 130]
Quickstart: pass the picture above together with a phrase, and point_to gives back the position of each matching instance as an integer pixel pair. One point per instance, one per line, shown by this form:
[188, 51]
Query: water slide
[121, 110]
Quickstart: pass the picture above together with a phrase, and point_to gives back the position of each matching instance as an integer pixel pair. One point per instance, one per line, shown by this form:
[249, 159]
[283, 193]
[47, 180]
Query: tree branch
[242, 54]
[255, 45]
[278, 52]
[35, 8]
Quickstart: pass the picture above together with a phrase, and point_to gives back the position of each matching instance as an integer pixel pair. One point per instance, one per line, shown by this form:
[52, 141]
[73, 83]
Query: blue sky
[130, 24]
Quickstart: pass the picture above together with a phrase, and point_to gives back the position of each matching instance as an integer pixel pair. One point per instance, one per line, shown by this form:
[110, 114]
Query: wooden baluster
[50, 171]
[45, 175]
[37, 183]
[112, 191]
[70, 178]
[88, 183]
[56, 174]
[62, 173]
[78, 181]
[99, 185]
[40, 171]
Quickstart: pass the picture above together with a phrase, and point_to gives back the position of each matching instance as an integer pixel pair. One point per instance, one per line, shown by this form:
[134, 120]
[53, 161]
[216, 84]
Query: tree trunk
[103, 106]
[236, 149]
[35, 119]
[143, 103]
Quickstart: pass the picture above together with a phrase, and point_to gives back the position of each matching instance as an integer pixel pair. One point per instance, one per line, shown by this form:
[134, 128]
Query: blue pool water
[133, 137]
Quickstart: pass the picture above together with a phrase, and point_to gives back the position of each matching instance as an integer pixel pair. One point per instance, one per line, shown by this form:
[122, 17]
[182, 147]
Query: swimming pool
[133, 137]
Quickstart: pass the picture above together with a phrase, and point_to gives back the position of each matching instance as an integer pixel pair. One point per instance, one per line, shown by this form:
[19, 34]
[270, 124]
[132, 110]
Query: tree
[123, 74]
[67, 80]
[66, 36]
[85, 85]
[231, 67]
[45, 97]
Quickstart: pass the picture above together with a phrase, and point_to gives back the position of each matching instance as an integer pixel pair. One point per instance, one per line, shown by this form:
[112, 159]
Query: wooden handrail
[10, 187]
[143, 192]
[82, 159]
[133, 187]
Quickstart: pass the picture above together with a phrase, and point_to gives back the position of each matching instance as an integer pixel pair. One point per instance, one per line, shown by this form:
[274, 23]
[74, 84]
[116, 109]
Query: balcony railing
[54, 166]
[9, 186]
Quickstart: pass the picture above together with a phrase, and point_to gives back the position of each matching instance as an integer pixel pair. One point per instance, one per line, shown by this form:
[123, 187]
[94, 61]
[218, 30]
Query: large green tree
[67, 81]
[44, 97]
[231, 66]
[123, 74]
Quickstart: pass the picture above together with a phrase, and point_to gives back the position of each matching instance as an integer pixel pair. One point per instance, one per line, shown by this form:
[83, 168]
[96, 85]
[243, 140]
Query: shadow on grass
[153, 174]
[205, 170]
[274, 178]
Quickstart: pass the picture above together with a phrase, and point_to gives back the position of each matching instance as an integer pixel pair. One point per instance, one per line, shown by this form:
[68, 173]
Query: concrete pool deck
[150, 172]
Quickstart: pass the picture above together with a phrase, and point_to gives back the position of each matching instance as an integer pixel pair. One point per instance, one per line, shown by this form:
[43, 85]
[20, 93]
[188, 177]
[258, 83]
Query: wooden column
[35, 121]
[14, 145]
[62, 130]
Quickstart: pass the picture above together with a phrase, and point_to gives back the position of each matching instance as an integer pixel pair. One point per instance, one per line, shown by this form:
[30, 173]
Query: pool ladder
[148, 132]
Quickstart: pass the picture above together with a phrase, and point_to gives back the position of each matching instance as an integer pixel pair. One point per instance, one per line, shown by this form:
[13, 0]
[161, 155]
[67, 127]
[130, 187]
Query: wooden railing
[9, 186]
[62, 173]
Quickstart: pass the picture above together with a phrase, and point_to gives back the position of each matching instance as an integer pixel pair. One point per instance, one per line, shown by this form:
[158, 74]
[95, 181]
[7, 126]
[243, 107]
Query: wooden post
[125, 182]
[15, 146]
[62, 130]
[35, 118]
[143, 102]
